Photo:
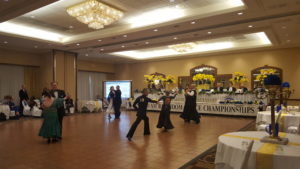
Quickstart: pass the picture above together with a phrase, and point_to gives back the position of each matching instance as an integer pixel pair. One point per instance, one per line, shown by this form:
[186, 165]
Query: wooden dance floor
[91, 141]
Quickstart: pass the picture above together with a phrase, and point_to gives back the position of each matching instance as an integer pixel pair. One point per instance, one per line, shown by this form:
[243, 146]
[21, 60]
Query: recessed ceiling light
[146, 43]
[193, 22]
[5, 42]
[35, 46]
[71, 27]
[175, 38]
[99, 40]
[102, 49]
[78, 44]
[155, 30]
[125, 36]
[86, 54]
[209, 32]
[250, 26]
[240, 13]
[123, 46]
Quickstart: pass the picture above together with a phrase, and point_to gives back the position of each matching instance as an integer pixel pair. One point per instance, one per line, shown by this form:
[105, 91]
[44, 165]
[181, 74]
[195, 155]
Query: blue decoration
[272, 80]
[269, 129]
[285, 84]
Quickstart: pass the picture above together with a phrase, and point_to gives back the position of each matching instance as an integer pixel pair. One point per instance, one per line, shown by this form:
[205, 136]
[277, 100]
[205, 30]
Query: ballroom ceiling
[203, 21]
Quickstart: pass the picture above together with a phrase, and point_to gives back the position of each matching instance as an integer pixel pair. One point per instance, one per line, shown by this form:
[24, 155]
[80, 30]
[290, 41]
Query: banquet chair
[261, 126]
[246, 155]
[26, 108]
[36, 112]
[294, 129]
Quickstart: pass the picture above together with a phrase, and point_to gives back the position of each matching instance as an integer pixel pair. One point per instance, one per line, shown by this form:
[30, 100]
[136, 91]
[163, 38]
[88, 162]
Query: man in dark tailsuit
[117, 102]
[57, 93]
[23, 96]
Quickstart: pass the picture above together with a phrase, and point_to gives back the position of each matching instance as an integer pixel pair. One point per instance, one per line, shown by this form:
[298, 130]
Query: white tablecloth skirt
[232, 147]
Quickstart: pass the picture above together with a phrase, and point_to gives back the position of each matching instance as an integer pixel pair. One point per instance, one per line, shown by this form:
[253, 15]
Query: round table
[285, 121]
[6, 110]
[232, 147]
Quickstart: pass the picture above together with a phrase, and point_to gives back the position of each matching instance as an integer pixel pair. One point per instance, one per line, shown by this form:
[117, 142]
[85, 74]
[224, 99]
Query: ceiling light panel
[252, 40]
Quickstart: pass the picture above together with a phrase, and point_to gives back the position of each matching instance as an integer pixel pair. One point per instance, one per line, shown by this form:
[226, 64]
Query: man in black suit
[142, 102]
[23, 96]
[231, 88]
[117, 102]
[219, 88]
[57, 93]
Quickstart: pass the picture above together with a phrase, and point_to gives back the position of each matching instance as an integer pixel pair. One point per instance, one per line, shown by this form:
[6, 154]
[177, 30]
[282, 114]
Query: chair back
[247, 155]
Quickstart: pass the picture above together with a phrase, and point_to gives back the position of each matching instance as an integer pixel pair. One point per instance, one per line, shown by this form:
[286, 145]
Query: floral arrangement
[155, 79]
[204, 78]
[169, 79]
[263, 74]
[239, 78]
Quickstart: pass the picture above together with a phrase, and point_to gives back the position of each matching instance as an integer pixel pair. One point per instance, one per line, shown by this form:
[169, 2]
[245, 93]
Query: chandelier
[94, 13]
[183, 47]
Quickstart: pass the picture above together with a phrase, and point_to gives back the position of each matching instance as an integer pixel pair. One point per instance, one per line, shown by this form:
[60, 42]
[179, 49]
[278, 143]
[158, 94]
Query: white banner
[209, 108]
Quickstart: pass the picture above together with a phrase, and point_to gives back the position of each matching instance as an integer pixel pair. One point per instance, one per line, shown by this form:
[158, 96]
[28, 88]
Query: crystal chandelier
[183, 47]
[94, 13]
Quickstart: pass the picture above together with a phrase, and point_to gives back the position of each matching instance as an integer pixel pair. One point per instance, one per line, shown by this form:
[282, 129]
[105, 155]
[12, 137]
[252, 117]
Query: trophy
[273, 84]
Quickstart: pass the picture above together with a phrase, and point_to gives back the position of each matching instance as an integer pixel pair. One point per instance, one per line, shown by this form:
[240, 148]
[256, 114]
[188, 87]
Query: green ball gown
[51, 127]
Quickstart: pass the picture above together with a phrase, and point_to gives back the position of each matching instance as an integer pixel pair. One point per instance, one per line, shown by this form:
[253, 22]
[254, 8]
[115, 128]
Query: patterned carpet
[206, 159]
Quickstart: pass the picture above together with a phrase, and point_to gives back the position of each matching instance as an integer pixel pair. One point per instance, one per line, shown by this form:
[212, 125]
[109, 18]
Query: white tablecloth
[91, 105]
[286, 120]
[6, 110]
[231, 148]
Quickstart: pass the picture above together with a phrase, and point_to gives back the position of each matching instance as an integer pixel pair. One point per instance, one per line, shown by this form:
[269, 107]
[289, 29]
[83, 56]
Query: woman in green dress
[51, 129]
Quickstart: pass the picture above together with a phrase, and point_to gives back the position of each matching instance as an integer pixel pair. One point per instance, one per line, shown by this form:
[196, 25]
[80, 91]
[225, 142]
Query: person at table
[45, 91]
[69, 103]
[8, 100]
[164, 116]
[142, 102]
[23, 95]
[117, 102]
[190, 112]
[51, 129]
[231, 88]
[244, 89]
[57, 93]
[219, 88]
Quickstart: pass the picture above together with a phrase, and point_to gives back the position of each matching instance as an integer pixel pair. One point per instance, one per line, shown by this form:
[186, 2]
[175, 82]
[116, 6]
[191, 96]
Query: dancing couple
[190, 112]
[164, 117]
[115, 101]
[53, 113]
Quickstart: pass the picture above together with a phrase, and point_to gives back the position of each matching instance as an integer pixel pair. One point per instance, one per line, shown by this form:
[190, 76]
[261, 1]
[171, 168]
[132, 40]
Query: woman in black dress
[190, 112]
[164, 116]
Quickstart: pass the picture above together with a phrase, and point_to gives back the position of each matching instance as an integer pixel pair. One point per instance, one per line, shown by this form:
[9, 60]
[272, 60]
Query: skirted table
[6, 110]
[233, 146]
[285, 121]
[91, 105]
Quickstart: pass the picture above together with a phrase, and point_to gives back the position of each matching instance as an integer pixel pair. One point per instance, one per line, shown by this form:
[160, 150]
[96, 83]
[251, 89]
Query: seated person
[244, 89]
[231, 88]
[32, 102]
[69, 103]
[8, 100]
[219, 88]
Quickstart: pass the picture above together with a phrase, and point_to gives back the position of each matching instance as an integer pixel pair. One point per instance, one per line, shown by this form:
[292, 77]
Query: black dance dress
[190, 111]
[164, 116]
